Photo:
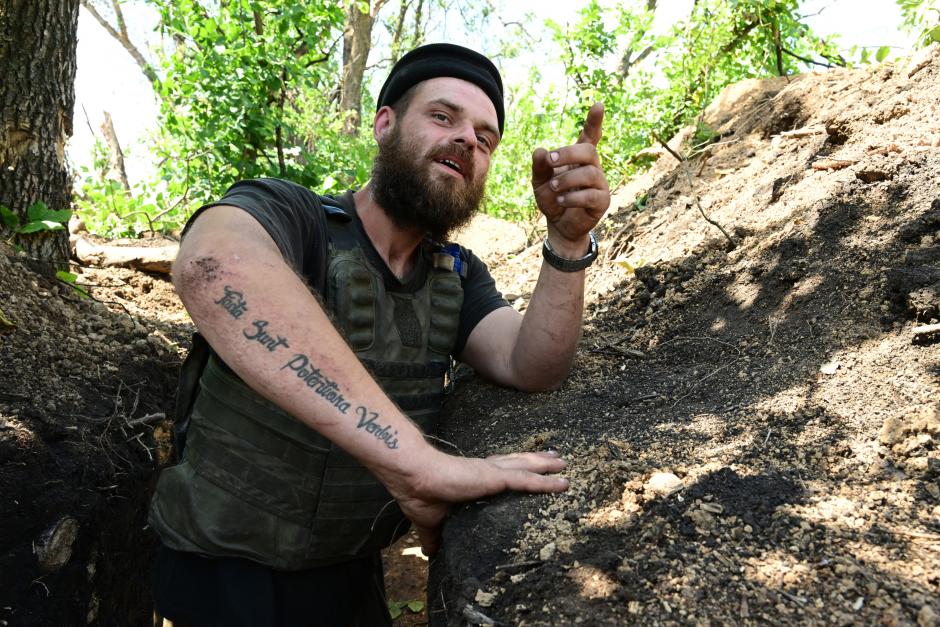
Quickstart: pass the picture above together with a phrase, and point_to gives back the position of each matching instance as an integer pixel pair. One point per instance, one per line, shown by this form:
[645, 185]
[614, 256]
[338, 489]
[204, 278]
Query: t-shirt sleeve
[480, 297]
[288, 212]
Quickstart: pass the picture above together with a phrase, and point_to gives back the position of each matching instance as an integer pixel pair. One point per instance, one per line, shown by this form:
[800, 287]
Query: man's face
[430, 172]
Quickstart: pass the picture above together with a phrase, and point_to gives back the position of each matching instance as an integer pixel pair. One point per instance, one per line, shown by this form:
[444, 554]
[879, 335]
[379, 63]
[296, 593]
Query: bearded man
[332, 323]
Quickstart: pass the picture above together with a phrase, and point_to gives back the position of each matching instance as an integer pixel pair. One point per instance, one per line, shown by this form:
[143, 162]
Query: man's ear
[384, 121]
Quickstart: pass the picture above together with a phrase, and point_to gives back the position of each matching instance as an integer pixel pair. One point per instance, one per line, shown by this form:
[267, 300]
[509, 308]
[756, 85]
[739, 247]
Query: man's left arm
[534, 352]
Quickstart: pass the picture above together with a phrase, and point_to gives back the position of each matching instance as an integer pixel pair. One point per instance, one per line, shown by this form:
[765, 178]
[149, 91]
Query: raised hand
[570, 187]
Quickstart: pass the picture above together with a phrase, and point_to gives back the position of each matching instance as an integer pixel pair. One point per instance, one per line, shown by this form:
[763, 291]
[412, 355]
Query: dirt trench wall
[85, 388]
[751, 433]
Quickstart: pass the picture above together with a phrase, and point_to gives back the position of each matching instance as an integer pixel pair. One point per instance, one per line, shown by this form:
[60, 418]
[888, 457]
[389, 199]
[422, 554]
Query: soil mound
[751, 431]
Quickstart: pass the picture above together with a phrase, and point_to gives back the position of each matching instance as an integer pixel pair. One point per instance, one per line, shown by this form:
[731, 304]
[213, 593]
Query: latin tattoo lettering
[261, 336]
[317, 381]
[233, 302]
[367, 421]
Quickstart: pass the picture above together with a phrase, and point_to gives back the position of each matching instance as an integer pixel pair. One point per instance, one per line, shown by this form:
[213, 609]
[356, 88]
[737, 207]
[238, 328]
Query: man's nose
[465, 135]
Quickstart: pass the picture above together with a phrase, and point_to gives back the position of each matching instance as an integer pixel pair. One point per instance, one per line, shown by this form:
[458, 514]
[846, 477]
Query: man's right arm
[262, 320]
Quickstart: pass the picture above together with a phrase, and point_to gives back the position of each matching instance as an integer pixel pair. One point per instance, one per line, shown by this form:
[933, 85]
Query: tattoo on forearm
[318, 382]
[368, 421]
[300, 364]
[262, 337]
[233, 302]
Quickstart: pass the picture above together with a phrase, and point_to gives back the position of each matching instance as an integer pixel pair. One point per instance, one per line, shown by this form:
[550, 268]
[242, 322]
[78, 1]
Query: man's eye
[440, 116]
[483, 141]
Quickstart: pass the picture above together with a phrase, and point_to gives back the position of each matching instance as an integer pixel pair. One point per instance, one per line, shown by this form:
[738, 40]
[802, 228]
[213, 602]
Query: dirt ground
[751, 433]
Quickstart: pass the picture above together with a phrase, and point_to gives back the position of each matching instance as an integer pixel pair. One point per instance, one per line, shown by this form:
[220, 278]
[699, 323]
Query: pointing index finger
[591, 133]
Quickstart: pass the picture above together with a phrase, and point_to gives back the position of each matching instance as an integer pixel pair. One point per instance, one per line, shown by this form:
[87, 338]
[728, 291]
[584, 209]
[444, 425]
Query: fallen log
[152, 259]
[922, 332]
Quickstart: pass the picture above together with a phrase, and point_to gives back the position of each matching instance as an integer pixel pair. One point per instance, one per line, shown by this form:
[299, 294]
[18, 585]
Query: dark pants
[196, 591]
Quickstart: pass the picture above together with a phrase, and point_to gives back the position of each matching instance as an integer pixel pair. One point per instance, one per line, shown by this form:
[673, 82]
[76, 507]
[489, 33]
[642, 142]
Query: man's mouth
[453, 164]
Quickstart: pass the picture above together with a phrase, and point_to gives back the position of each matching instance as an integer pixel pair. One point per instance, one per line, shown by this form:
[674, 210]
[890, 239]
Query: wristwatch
[570, 265]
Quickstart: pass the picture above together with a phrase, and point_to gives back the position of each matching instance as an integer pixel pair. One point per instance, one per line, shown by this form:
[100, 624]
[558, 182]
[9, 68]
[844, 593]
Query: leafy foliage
[719, 43]
[231, 86]
[112, 211]
[923, 18]
[397, 608]
[39, 217]
[248, 89]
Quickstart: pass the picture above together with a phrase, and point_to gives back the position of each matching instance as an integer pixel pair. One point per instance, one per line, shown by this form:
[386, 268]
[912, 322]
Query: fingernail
[552, 452]
[561, 199]
[553, 156]
[554, 183]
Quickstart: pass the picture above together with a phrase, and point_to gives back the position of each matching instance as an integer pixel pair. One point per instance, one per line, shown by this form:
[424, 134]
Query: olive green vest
[256, 483]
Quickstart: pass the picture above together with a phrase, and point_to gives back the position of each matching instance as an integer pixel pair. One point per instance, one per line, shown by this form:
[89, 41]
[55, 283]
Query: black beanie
[437, 60]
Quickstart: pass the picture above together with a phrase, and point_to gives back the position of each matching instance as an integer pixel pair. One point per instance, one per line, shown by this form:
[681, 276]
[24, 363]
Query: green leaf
[934, 34]
[882, 53]
[36, 211]
[415, 606]
[70, 279]
[10, 219]
[394, 609]
[41, 225]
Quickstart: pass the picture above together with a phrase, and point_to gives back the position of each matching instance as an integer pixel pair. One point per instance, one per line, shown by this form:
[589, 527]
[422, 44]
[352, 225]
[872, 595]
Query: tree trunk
[37, 70]
[357, 40]
[116, 169]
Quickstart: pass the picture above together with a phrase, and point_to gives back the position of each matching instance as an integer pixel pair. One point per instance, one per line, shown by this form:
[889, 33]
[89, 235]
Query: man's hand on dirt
[452, 479]
[570, 187]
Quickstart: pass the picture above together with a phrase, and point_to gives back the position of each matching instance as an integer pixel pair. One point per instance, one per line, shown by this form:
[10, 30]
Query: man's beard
[417, 198]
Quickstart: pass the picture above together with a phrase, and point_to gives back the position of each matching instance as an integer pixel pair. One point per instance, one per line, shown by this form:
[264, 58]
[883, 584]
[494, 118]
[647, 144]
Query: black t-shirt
[289, 214]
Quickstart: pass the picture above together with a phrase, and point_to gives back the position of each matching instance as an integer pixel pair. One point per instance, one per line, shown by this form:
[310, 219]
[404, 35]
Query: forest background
[285, 88]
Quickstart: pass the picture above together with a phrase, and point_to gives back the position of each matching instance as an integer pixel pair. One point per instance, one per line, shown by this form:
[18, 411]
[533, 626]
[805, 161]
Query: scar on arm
[207, 268]
[197, 273]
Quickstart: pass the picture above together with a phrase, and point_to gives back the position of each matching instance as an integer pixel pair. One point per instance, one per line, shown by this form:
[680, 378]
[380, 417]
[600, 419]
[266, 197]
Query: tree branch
[122, 25]
[122, 38]
[805, 60]
[684, 163]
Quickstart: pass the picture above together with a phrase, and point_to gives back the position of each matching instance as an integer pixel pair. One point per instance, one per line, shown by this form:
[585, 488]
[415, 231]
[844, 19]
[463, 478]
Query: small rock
[830, 367]
[702, 519]
[664, 483]
[926, 617]
[547, 552]
[54, 547]
[892, 432]
[485, 599]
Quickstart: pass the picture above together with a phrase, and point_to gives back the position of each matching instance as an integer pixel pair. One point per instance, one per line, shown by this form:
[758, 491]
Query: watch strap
[570, 265]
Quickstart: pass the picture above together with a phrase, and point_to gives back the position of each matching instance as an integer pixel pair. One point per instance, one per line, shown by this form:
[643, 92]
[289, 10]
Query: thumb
[591, 133]
[542, 169]
[430, 538]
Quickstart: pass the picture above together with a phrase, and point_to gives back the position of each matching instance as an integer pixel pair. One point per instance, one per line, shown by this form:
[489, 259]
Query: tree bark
[357, 40]
[37, 69]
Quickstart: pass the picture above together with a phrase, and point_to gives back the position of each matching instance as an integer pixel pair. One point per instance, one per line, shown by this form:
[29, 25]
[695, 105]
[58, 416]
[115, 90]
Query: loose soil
[751, 433]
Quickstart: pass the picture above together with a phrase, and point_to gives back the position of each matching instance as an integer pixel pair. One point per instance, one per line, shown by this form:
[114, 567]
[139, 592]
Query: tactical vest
[257, 483]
